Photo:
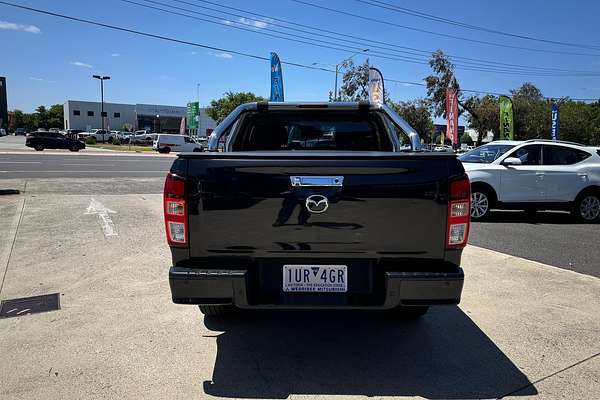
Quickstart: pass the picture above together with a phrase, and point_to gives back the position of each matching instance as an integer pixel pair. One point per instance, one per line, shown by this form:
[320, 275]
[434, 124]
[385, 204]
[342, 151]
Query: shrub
[90, 140]
[116, 142]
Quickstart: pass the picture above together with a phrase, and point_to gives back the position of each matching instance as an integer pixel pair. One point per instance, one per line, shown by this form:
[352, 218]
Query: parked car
[20, 132]
[51, 140]
[166, 143]
[101, 136]
[142, 137]
[363, 221]
[534, 175]
[3, 132]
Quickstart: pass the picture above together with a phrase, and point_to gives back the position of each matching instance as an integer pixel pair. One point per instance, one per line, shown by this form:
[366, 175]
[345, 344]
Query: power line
[345, 48]
[380, 21]
[209, 47]
[362, 41]
[431, 17]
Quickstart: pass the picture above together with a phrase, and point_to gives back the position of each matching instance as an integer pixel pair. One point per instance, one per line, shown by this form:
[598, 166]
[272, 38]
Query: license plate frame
[314, 278]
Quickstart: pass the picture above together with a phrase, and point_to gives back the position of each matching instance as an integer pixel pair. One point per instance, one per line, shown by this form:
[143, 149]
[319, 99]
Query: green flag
[506, 119]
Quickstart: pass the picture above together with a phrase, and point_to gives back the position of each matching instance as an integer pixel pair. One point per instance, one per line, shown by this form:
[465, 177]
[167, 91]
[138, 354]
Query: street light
[102, 79]
[337, 70]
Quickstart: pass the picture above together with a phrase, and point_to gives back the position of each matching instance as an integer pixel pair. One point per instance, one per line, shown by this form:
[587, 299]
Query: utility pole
[102, 79]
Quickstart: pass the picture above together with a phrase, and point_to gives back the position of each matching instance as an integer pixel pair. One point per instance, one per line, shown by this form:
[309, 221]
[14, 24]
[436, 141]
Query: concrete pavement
[523, 327]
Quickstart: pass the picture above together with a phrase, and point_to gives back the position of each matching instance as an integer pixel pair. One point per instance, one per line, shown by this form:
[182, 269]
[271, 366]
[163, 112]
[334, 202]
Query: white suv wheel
[480, 205]
[589, 208]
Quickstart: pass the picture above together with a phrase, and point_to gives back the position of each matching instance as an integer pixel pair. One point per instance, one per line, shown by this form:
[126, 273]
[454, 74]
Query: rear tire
[74, 148]
[586, 207]
[215, 310]
[409, 312]
[38, 147]
[481, 203]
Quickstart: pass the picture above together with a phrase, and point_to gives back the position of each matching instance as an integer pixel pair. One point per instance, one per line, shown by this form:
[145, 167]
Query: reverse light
[459, 213]
[175, 211]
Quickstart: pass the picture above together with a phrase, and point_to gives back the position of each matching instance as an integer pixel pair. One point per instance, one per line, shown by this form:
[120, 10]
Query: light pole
[102, 79]
[337, 71]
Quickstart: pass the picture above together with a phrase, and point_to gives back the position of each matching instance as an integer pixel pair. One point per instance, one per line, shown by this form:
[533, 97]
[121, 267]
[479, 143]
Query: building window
[76, 112]
[90, 113]
[117, 115]
[104, 114]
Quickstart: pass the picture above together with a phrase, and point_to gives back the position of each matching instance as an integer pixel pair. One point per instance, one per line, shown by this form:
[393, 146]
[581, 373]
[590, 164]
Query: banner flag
[555, 122]
[182, 126]
[376, 86]
[276, 78]
[507, 130]
[452, 115]
[193, 110]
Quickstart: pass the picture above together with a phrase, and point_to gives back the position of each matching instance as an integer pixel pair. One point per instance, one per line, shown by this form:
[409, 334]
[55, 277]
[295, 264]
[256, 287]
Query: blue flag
[276, 78]
[555, 130]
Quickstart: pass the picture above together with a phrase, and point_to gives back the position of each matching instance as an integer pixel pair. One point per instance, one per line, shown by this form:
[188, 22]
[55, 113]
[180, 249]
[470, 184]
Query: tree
[221, 108]
[18, 119]
[531, 113]
[488, 115]
[355, 83]
[418, 115]
[443, 79]
[42, 117]
[466, 139]
[55, 116]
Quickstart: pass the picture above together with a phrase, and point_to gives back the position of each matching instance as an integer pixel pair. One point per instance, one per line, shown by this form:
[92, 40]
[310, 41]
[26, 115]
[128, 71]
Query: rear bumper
[207, 286]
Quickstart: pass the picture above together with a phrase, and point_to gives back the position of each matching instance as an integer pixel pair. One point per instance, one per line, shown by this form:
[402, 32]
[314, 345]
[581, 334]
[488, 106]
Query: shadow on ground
[273, 354]
[540, 217]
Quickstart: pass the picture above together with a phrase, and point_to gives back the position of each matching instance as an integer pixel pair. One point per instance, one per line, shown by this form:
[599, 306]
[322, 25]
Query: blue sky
[48, 60]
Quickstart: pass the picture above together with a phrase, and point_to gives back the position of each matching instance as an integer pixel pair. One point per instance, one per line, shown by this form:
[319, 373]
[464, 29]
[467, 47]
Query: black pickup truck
[326, 205]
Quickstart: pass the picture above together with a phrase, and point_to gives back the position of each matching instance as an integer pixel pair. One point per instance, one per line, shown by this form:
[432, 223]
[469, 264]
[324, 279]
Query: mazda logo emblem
[317, 204]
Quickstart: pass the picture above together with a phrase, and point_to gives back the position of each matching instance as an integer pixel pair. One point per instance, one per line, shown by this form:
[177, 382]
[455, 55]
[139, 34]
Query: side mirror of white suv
[512, 161]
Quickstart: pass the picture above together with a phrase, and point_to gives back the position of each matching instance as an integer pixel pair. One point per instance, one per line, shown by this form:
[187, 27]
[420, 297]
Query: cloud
[115, 55]
[81, 64]
[227, 22]
[193, 53]
[221, 55]
[20, 27]
[33, 78]
[253, 22]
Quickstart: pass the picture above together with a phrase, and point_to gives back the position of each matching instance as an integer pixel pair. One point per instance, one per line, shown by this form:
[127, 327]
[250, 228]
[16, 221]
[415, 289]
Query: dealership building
[86, 115]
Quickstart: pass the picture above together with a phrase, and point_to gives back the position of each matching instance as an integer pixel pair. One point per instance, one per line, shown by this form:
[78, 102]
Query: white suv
[534, 175]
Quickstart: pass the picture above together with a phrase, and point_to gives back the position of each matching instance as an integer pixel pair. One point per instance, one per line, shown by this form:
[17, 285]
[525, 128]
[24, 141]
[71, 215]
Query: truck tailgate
[388, 205]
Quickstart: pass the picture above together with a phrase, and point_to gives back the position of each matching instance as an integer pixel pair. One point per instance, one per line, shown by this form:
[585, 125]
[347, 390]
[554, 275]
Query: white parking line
[20, 162]
[89, 165]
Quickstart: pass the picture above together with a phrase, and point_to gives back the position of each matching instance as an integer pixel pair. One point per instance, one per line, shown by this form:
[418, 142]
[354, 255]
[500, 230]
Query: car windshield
[485, 154]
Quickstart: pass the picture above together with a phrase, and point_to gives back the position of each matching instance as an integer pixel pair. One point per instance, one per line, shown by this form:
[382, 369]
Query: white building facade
[86, 115]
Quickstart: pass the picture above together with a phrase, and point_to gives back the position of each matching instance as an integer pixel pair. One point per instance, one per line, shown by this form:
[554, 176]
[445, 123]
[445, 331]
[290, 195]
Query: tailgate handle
[315, 180]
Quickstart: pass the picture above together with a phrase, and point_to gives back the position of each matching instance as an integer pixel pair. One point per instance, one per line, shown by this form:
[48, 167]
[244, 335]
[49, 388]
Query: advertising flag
[376, 87]
[506, 118]
[451, 115]
[555, 122]
[182, 126]
[276, 78]
[193, 110]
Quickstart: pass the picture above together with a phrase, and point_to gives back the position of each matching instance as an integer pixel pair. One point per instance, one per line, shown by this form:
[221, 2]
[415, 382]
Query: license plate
[315, 278]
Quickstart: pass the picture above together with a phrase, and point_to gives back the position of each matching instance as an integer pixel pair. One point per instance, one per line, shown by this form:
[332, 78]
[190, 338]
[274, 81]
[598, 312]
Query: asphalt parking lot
[523, 329]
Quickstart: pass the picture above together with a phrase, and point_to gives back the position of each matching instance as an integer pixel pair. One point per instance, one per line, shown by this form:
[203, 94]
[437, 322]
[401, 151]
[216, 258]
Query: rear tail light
[175, 210]
[459, 213]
